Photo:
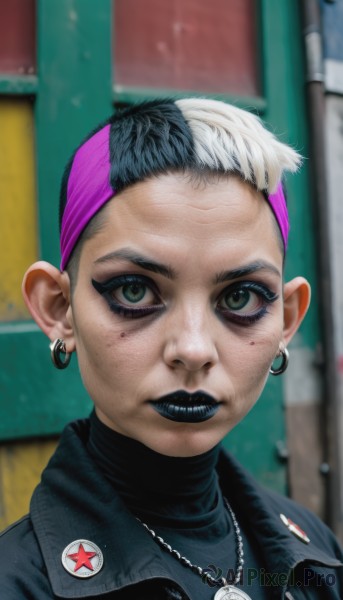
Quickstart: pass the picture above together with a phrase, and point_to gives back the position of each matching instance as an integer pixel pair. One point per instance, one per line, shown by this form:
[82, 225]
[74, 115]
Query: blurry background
[67, 64]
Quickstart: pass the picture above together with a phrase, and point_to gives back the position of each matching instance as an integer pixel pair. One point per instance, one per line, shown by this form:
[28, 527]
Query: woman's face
[180, 291]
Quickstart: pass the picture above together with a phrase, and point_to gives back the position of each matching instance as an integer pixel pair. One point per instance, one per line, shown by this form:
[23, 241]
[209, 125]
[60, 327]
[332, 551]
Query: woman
[173, 234]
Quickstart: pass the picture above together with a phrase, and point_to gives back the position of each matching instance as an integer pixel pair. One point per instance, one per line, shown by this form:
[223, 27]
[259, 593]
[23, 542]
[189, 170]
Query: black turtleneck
[162, 490]
[179, 498]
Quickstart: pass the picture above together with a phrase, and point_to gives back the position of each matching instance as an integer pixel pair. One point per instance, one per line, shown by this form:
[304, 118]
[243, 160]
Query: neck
[153, 486]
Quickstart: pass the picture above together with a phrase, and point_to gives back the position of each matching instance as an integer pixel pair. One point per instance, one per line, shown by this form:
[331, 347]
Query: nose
[190, 342]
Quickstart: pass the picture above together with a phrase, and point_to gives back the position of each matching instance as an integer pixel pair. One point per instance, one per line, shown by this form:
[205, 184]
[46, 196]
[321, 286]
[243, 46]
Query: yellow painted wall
[21, 464]
[18, 228]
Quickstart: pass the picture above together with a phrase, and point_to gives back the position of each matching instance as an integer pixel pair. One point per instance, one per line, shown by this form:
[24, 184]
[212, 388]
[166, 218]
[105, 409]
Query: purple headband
[278, 205]
[89, 189]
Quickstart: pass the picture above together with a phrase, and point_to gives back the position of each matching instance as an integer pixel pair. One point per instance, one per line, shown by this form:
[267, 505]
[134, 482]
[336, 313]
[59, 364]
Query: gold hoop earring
[57, 349]
[283, 352]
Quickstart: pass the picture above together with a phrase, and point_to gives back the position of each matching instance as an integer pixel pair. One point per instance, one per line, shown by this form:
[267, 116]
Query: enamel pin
[295, 529]
[82, 558]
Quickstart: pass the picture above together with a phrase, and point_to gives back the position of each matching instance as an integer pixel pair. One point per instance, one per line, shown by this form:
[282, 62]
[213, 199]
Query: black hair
[146, 139]
[200, 137]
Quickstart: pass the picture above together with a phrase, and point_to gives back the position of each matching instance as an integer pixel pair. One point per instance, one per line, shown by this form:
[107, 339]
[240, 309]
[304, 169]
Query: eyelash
[106, 289]
[265, 295]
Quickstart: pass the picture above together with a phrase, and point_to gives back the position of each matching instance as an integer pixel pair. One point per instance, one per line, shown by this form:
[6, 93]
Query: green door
[84, 67]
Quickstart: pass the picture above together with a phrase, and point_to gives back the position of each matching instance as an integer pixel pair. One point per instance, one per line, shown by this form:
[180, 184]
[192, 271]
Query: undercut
[198, 137]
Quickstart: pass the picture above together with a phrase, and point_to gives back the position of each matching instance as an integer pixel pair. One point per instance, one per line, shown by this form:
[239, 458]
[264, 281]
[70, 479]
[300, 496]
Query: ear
[297, 295]
[46, 293]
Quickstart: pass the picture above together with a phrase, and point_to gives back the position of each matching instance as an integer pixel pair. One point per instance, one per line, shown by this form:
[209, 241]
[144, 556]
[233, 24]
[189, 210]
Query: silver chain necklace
[227, 591]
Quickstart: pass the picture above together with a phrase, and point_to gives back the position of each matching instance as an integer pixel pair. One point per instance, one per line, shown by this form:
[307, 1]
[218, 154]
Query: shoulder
[20, 532]
[318, 532]
[22, 569]
[263, 508]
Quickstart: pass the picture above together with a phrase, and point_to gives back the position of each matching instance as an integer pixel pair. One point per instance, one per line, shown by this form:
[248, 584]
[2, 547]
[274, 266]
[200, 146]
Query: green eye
[237, 299]
[130, 296]
[245, 302]
[240, 301]
[134, 292]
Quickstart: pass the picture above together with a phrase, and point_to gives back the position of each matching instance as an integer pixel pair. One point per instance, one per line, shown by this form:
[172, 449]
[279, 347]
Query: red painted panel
[186, 44]
[17, 36]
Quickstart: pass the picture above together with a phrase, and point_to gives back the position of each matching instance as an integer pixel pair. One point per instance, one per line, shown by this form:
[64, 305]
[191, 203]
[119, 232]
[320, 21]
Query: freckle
[252, 343]
[122, 335]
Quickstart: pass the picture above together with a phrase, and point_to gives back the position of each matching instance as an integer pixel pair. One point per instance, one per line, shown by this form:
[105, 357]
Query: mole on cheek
[122, 335]
[252, 343]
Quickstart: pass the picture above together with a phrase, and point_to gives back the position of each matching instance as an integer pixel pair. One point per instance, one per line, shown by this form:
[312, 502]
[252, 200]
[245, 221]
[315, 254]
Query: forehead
[176, 211]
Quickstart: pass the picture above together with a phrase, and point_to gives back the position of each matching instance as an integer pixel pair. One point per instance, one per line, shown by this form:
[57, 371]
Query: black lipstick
[184, 407]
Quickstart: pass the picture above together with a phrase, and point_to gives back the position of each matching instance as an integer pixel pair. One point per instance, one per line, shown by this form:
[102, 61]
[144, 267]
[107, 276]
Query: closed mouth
[186, 407]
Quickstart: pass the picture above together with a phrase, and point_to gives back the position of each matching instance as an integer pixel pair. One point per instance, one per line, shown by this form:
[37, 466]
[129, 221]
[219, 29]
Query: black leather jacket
[75, 501]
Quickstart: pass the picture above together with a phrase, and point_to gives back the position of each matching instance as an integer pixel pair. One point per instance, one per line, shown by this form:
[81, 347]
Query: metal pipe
[316, 113]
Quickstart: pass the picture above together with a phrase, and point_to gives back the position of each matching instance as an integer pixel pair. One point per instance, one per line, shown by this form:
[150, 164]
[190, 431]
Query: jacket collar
[74, 501]
[261, 508]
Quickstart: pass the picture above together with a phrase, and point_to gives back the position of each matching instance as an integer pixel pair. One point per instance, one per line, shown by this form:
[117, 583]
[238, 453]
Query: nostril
[190, 355]
[182, 363]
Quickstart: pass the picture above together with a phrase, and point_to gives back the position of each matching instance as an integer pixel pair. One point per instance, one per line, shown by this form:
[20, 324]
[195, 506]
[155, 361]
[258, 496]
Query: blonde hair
[229, 139]
[196, 136]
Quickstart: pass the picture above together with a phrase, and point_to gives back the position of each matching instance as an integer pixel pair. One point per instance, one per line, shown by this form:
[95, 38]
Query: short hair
[194, 135]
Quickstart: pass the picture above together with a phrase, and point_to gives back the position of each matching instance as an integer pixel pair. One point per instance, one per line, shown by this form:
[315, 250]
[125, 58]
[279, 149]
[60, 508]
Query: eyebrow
[259, 265]
[139, 260]
[167, 271]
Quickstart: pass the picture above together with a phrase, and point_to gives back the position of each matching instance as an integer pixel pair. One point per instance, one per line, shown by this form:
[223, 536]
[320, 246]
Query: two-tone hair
[197, 136]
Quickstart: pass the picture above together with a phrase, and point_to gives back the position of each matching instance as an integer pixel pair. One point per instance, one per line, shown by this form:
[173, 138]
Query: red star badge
[82, 558]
